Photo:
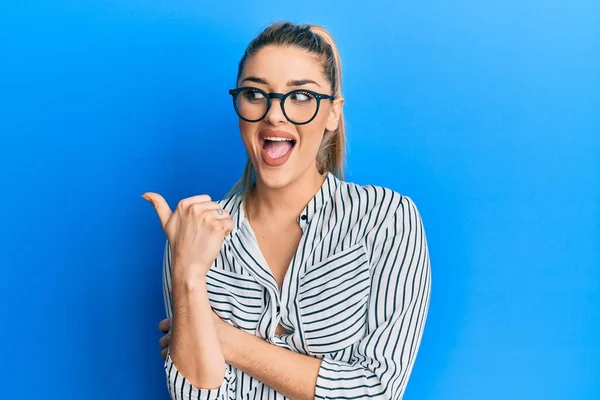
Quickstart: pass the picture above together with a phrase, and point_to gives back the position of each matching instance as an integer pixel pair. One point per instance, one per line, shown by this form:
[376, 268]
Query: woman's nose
[275, 114]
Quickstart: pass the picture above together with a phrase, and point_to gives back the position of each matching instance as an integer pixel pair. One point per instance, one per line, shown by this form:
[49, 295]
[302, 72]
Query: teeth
[278, 139]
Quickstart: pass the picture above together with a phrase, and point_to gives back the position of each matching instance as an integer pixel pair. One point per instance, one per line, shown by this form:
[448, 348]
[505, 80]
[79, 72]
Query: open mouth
[276, 150]
[277, 147]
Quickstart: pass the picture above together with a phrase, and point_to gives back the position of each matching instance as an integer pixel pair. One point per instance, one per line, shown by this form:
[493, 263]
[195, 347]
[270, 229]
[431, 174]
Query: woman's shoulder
[381, 202]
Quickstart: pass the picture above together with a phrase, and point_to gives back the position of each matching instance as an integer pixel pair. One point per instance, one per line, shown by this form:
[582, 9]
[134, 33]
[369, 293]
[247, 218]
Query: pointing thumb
[160, 205]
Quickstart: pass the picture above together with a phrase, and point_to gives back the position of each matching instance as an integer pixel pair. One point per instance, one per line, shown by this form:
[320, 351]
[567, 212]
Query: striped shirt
[355, 295]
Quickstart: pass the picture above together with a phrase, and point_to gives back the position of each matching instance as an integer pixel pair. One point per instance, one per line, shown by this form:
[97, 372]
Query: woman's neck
[286, 203]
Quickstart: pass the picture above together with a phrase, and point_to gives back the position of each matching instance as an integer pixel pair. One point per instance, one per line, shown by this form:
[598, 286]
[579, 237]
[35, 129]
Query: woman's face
[280, 151]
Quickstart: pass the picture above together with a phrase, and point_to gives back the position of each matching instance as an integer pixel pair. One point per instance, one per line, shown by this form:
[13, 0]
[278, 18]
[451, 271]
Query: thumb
[160, 205]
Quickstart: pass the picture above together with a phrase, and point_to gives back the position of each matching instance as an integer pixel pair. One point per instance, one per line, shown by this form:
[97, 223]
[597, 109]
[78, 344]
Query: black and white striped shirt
[356, 294]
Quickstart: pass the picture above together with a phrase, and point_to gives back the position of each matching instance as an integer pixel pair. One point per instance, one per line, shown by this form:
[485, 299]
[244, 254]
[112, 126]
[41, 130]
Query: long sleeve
[179, 387]
[398, 307]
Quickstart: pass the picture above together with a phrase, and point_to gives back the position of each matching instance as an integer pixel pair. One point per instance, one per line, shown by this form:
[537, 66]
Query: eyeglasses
[299, 106]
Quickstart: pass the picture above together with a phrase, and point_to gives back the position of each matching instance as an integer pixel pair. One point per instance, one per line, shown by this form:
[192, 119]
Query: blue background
[487, 114]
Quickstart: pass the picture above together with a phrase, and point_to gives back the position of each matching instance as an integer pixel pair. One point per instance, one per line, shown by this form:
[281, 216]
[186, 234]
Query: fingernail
[145, 197]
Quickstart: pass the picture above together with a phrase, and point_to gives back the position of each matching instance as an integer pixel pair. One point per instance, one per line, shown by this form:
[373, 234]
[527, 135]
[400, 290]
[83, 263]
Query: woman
[297, 285]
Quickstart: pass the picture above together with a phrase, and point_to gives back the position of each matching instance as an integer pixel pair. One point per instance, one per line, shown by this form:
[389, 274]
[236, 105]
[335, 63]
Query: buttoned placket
[252, 259]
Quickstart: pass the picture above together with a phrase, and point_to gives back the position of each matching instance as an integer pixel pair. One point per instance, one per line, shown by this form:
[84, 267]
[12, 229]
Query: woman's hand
[165, 327]
[195, 230]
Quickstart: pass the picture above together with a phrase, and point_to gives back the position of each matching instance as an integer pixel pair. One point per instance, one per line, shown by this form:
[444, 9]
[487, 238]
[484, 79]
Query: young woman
[298, 285]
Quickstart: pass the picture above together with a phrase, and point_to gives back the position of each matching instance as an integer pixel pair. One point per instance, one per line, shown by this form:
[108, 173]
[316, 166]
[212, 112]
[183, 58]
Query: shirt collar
[325, 193]
[235, 204]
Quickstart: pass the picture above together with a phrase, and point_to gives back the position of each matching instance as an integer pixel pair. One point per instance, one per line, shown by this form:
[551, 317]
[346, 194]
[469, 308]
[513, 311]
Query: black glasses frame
[282, 97]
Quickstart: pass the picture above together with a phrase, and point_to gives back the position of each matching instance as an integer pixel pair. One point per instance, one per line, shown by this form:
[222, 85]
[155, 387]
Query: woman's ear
[334, 115]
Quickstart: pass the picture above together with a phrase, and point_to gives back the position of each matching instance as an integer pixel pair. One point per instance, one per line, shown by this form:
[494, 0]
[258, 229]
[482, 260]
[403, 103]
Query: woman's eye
[253, 95]
[302, 96]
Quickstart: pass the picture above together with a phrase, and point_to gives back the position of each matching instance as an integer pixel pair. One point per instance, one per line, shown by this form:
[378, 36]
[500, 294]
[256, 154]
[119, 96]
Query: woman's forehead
[279, 65]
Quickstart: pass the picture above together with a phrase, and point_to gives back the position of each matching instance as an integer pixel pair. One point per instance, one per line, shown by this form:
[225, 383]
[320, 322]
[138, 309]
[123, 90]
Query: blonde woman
[298, 285]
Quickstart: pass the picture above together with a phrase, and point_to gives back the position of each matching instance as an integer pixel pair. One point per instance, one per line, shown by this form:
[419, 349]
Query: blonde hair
[316, 40]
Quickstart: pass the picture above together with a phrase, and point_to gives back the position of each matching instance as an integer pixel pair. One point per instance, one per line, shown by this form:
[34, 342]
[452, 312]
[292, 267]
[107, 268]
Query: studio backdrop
[485, 113]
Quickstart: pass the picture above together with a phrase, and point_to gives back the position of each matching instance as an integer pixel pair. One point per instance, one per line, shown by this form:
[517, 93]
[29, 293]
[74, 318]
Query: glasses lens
[300, 106]
[251, 104]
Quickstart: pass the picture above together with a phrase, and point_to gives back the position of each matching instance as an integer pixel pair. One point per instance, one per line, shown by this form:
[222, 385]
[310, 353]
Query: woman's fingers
[222, 214]
[195, 230]
[226, 226]
[185, 203]
[160, 205]
[218, 219]
[165, 325]
[217, 215]
[204, 209]
[164, 341]
[197, 206]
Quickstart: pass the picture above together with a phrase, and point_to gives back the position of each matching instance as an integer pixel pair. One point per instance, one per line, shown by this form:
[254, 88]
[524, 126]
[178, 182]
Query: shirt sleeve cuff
[181, 389]
[338, 380]
[327, 374]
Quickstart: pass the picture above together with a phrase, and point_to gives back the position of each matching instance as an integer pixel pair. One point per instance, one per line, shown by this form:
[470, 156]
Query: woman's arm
[195, 233]
[195, 348]
[291, 374]
[193, 344]
[385, 356]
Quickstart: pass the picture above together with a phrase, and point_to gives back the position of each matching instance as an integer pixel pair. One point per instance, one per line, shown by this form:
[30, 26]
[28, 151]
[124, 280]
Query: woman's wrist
[189, 278]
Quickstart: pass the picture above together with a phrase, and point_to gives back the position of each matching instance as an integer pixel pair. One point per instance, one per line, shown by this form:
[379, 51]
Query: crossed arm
[384, 357]
[291, 374]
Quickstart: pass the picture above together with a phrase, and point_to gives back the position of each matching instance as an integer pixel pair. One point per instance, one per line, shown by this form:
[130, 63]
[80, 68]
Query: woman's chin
[275, 172]
[275, 177]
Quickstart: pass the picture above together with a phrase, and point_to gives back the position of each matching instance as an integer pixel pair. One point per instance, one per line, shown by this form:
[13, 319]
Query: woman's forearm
[291, 374]
[195, 348]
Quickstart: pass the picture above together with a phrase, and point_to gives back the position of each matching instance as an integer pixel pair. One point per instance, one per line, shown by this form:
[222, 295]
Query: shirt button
[303, 218]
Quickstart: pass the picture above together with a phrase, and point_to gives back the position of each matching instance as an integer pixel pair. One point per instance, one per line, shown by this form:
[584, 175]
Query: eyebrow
[299, 82]
[302, 82]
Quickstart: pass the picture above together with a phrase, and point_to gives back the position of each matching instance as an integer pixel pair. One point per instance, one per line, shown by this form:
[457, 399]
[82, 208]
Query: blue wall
[488, 116]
